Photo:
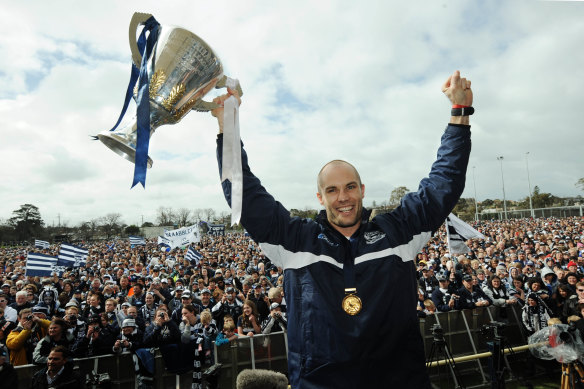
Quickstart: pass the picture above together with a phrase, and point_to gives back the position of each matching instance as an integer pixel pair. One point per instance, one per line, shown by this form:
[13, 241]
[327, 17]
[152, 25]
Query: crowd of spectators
[138, 298]
[536, 264]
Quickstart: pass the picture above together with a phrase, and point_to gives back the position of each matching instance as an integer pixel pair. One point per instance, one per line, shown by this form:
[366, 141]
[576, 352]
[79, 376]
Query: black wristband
[466, 111]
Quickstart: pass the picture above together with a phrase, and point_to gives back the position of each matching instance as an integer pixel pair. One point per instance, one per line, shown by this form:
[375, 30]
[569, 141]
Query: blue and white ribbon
[145, 46]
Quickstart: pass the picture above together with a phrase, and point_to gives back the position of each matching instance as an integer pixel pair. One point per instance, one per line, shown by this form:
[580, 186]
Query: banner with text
[181, 237]
[216, 229]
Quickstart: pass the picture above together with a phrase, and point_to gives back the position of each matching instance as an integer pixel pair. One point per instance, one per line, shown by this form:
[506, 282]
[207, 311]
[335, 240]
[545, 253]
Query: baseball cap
[71, 304]
[205, 291]
[467, 277]
[40, 309]
[274, 306]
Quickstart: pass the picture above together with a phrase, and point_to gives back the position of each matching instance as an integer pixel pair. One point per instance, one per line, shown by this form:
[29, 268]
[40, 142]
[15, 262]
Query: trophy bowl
[182, 69]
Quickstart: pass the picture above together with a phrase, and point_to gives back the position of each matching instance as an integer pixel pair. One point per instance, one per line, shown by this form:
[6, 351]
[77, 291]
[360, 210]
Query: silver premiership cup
[182, 69]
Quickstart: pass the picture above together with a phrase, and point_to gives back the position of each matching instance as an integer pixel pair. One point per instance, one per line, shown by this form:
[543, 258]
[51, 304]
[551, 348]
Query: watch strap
[464, 111]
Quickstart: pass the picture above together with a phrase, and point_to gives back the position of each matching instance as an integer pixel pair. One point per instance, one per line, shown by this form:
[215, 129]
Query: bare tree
[165, 216]
[197, 215]
[183, 217]
[111, 224]
[209, 214]
[94, 226]
[396, 196]
[225, 217]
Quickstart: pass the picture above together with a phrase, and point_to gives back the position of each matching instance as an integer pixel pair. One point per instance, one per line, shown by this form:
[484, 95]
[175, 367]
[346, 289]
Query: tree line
[26, 222]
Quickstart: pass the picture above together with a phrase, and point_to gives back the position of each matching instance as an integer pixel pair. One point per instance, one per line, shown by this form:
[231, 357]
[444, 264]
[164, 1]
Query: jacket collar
[323, 221]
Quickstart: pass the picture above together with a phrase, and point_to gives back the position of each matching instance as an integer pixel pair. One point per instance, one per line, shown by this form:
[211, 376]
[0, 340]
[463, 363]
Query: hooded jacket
[553, 285]
[381, 346]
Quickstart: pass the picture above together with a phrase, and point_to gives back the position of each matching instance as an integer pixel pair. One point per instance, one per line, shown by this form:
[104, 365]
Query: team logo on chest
[322, 236]
[373, 236]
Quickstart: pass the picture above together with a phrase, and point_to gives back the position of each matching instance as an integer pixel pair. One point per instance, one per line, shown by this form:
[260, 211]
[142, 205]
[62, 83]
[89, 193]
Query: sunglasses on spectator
[580, 290]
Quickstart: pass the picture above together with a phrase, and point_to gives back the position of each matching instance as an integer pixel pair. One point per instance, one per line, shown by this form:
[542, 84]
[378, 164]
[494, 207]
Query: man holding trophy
[350, 282]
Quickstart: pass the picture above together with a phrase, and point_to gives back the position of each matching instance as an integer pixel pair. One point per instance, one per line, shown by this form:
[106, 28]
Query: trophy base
[119, 145]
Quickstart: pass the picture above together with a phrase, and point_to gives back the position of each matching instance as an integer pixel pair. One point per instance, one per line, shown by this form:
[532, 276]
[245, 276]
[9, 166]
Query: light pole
[474, 181]
[529, 185]
[500, 159]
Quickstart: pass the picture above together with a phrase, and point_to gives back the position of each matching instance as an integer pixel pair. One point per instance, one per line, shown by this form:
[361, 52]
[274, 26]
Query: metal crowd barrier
[257, 352]
[461, 333]
[120, 369]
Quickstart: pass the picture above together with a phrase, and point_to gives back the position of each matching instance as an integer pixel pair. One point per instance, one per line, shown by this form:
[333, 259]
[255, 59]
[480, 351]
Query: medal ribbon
[349, 266]
[232, 170]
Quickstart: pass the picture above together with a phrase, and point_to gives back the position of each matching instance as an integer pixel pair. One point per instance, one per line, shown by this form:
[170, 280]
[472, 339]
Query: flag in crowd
[193, 256]
[458, 232]
[41, 265]
[72, 256]
[213, 229]
[41, 244]
[180, 237]
[137, 241]
[216, 229]
[111, 247]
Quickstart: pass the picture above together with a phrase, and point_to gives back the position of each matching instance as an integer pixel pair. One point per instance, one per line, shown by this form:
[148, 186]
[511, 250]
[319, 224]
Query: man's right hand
[218, 112]
[27, 324]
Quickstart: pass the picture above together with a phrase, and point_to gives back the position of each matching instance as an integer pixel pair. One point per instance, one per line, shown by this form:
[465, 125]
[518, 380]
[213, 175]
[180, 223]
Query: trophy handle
[205, 106]
[137, 19]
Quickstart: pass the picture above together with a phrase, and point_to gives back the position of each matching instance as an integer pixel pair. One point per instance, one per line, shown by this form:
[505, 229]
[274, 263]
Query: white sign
[181, 237]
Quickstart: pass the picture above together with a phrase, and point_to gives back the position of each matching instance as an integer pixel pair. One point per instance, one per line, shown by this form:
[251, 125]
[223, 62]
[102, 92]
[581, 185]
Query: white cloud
[321, 80]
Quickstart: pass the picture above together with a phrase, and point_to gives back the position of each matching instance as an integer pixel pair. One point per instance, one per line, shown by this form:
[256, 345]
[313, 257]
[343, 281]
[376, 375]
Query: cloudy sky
[322, 79]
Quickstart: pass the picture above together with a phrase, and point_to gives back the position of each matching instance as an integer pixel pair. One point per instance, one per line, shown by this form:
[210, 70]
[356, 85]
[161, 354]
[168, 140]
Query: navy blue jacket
[381, 346]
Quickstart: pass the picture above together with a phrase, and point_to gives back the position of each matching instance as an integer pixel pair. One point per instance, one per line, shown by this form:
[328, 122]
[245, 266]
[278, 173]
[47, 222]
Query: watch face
[352, 304]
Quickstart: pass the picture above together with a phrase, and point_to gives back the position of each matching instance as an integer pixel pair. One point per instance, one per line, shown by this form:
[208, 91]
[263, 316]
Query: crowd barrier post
[471, 337]
[252, 352]
[490, 310]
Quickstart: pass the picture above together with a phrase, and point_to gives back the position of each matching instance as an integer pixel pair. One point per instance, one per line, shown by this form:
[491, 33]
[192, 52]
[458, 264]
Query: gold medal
[352, 304]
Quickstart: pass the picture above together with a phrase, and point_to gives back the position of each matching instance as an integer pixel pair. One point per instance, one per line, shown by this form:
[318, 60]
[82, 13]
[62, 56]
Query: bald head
[331, 165]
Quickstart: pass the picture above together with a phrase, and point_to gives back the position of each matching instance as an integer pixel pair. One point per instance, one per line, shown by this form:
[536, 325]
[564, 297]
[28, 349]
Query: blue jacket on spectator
[468, 299]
